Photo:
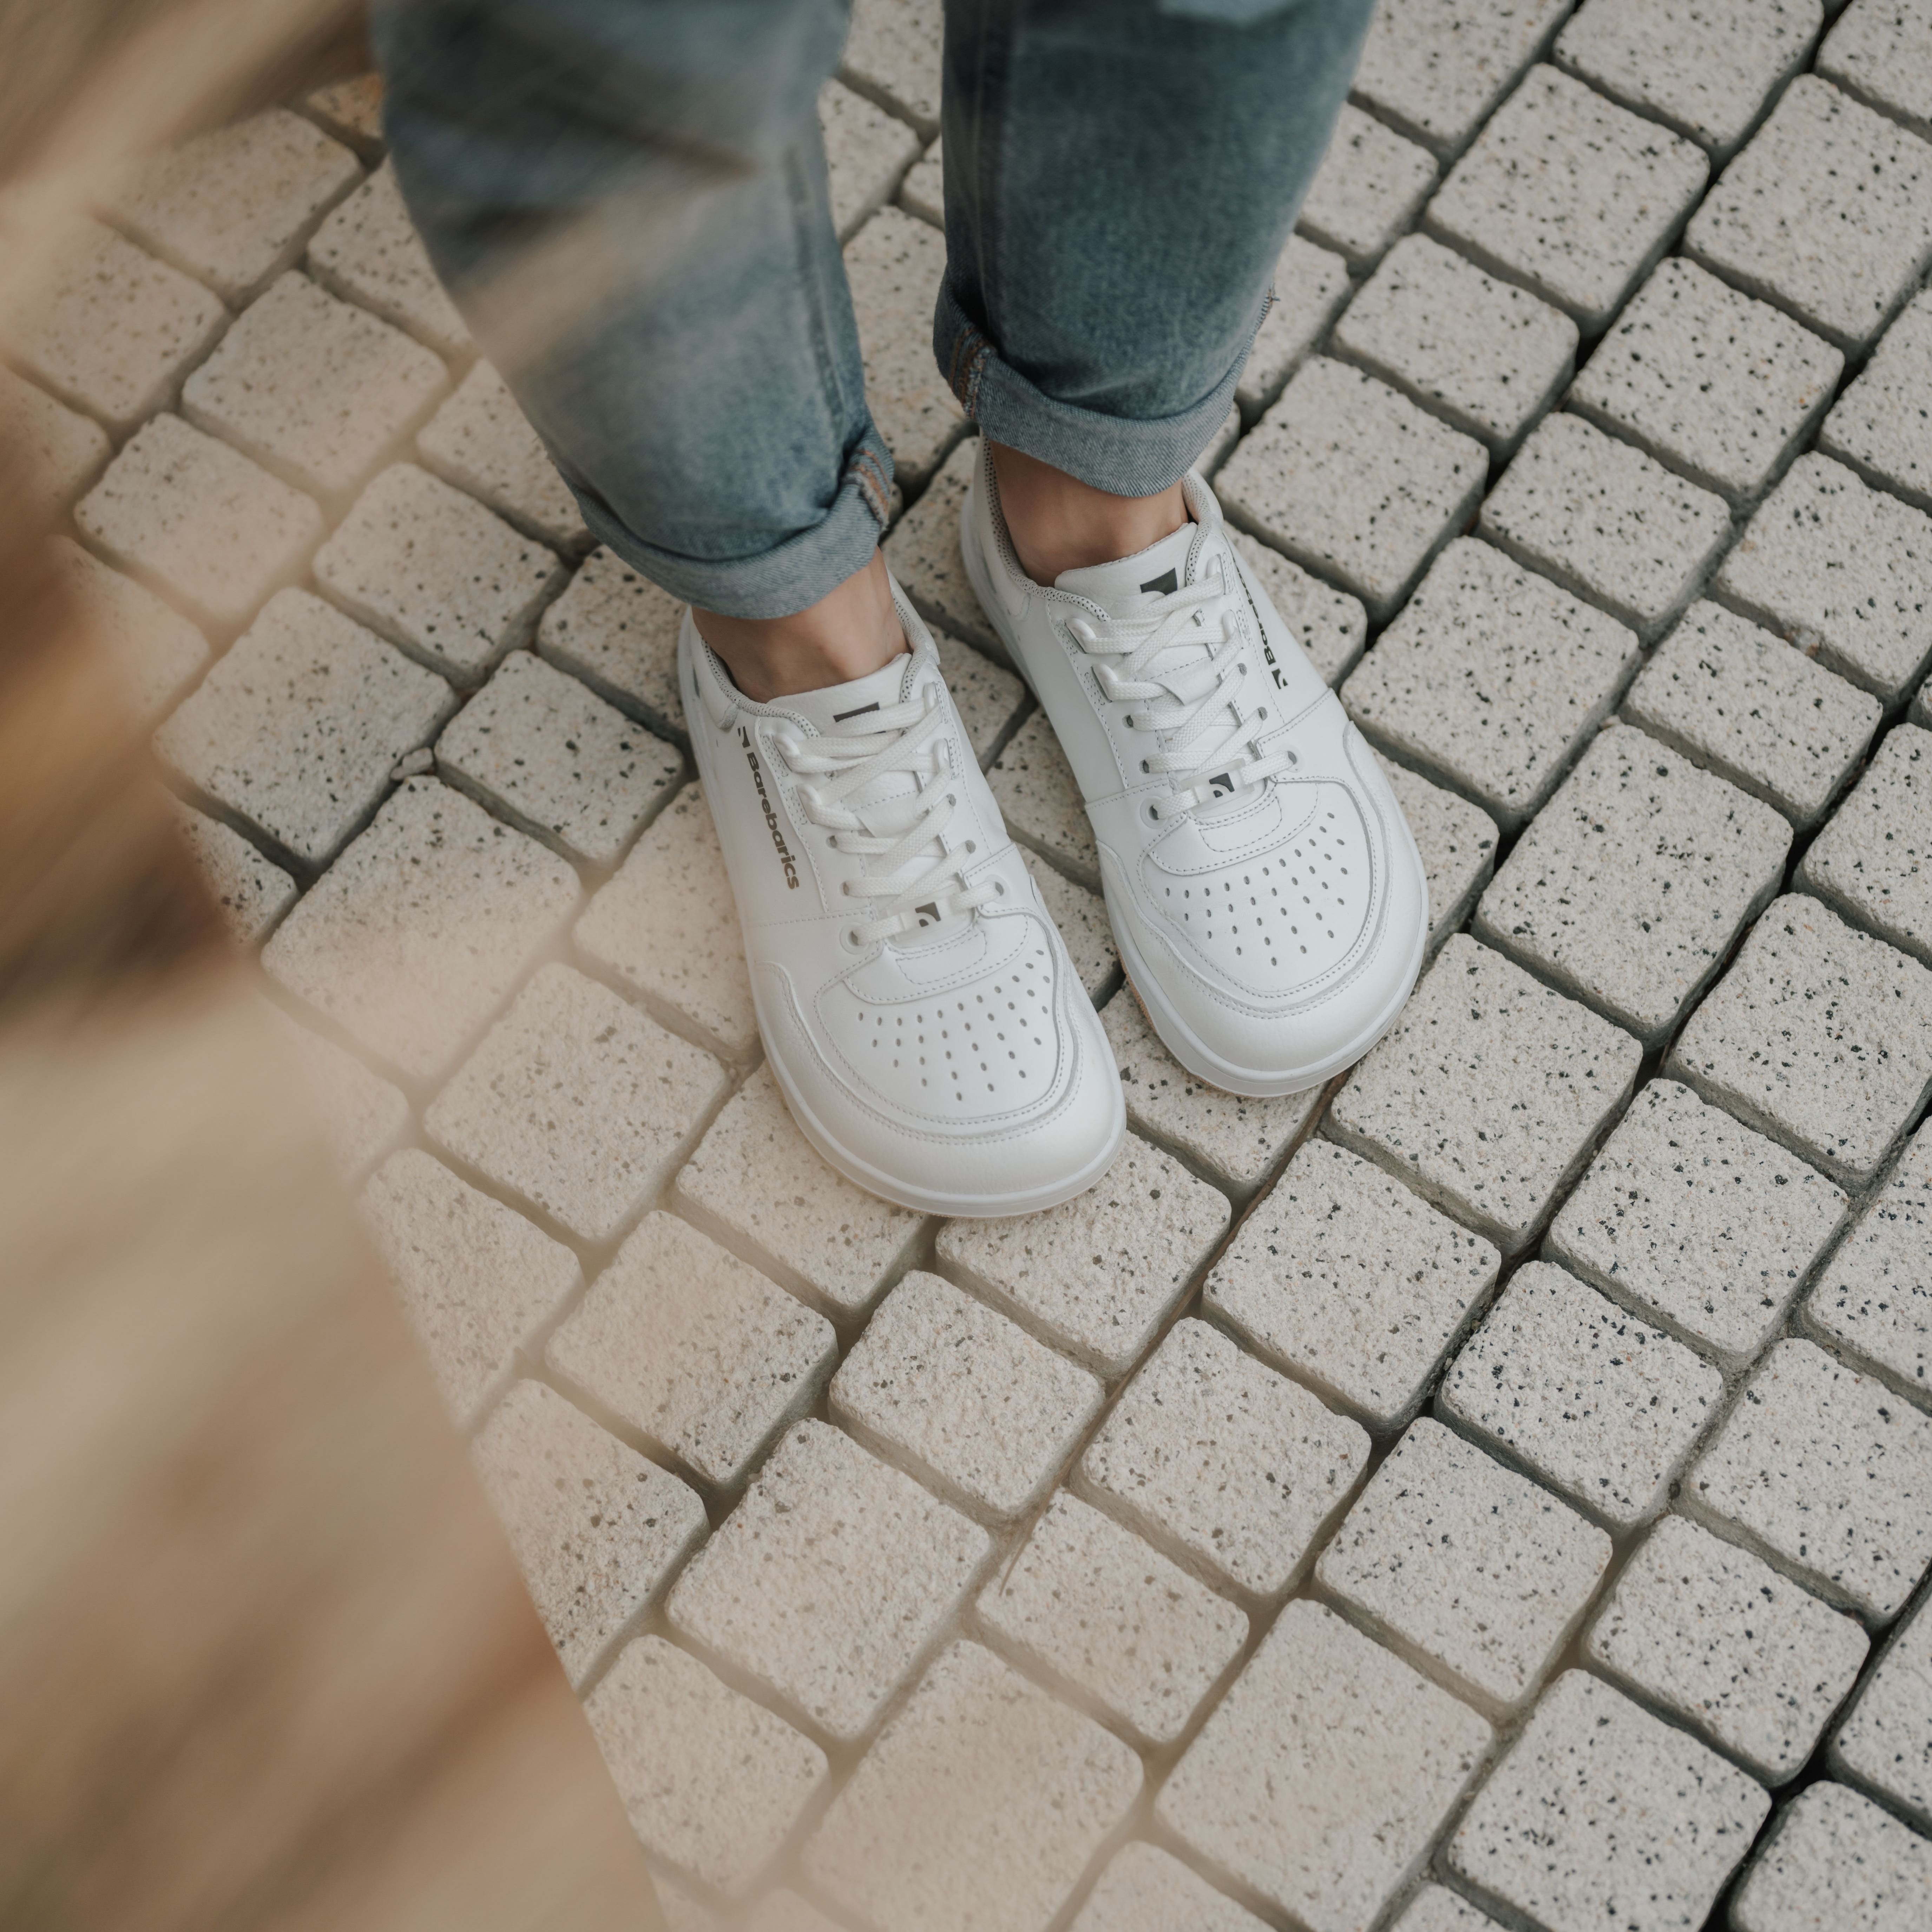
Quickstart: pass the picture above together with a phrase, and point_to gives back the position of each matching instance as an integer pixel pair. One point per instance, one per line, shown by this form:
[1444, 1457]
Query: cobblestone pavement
[1498, 1490]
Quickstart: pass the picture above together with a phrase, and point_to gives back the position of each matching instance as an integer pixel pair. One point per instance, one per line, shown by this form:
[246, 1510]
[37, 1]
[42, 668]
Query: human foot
[1265, 891]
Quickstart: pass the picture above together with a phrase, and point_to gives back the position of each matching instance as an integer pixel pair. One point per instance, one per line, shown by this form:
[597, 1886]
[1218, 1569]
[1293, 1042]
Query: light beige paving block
[1112, 1620]
[252, 892]
[1367, 190]
[62, 453]
[783, 1912]
[482, 443]
[197, 518]
[694, 1350]
[867, 151]
[231, 208]
[1436, 1908]
[893, 52]
[831, 1580]
[980, 1410]
[476, 1280]
[1097, 1274]
[894, 264]
[157, 652]
[1311, 283]
[1328, 624]
[1457, 841]
[1885, 1744]
[923, 553]
[362, 1114]
[368, 252]
[978, 1810]
[419, 930]
[1874, 861]
[1232, 1469]
[436, 572]
[352, 111]
[113, 329]
[555, 759]
[923, 191]
[577, 1102]
[596, 1530]
[1880, 426]
[1881, 51]
[1145, 1889]
[1081, 917]
[1341, 1275]
[1322, 1775]
[756, 1182]
[1039, 798]
[667, 926]
[316, 390]
[618, 632]
[713, 1782]
[297, 728]
[1460, 1561]
[1836, 1861]
[988, 695]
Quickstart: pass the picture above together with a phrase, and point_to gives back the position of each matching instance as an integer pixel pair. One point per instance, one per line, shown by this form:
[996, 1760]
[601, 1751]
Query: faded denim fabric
[1121, 177]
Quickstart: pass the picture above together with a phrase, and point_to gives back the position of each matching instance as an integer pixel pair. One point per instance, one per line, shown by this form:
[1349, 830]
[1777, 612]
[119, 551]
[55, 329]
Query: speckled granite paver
[1881, 51]
[1368, 189]
[1882, 425]
[250, 892]
[1039, 798]
[618, 632]
[1457, 841]
[157, 653]
[1885, 1744]
[367, 253]
[1311, 283]
[894, 264]
[1874, 861]
[1836, 1861]
[481, 441]
[1145, 1889]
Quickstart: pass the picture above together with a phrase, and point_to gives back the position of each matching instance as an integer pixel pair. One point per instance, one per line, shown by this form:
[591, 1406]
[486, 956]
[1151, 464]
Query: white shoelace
[1183, 701]
[894, 832]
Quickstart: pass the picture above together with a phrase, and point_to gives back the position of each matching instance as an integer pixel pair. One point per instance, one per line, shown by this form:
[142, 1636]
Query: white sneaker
[917, 1004]
[1266, 894]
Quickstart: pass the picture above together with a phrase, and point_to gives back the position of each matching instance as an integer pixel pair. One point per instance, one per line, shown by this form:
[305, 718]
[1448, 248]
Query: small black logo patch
[839, 717]
[1165, 585]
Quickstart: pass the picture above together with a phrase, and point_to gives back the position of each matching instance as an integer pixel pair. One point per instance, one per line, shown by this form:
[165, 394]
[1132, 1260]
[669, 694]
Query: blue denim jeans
[646, 179]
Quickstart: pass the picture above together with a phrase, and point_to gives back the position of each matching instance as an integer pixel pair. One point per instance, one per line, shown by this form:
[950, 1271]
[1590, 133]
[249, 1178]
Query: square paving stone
[1436, 1908]
[1829, 1473]
[1467, 1564]
[923, 192]
[758, 1184]
[577, 1102]
[113, 330]
[1489, 1093]
[1457, 841]
[251, 893]
[1145, 1889]
[923, 553]
[1886, 1743]
[1232, 1469]
[1263, 1795]
[1844, 570]
[1705, 70]
[667, 927]
[713, 1782]
[368, 252]
[1628, 889]
[1570, 194]
[554, 759]
[1882, 424]
[1310, 284]
[362, 1114]
[352, 111]
[700, 1355]
[1711, 383]
[1238, 1141]
[156, 651]
[596, 1530]
[436, 572]
[892, 53]
[1114, 1622]
[232, 207]
[418, 931]
[1819, 1035]
[1330, 626]
[1696, 1222]
[482, 443]
[986, 1414]
[1599, 1405]
[1607, 522]
[1741, 1654]
[1836, 1860]
[1081, 917]
[1491, 679]
[199, 521]
[1435, 68]
[1597, 1802]
[1367, 190]
[830, 1580]
[1874, 861]
[63, 451]
[1881, 51]
[989, 696]
[1098, 1274]
[981, 1806]
[319, 392]
[867, 151]
[1341, 1275]
[895, 263]
[1827, 212]
[1875, 1296]
[1353, 481]
[1487, 357]
[476, 1280]
[1039, 798]
[616, 630]
[1751, 706]
[297, 728]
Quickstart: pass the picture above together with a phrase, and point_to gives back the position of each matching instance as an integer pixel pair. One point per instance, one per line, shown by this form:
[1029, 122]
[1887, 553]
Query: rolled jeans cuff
[776, 583]
[1125, 456]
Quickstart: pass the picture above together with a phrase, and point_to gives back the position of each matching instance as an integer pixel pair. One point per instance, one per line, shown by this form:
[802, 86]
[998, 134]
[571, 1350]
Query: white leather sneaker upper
[1266, 892]
[918, 1007]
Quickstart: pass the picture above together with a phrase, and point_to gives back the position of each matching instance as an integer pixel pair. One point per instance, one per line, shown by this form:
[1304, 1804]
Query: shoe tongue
[1122, 588]
[838, 705]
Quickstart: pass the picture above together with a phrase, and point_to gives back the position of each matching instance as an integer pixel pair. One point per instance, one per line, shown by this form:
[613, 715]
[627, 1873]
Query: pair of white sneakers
[917, 1004]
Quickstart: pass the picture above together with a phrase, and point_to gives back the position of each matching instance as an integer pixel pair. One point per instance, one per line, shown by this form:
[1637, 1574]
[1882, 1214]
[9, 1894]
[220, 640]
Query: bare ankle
[1058, 523]
[850, 633]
